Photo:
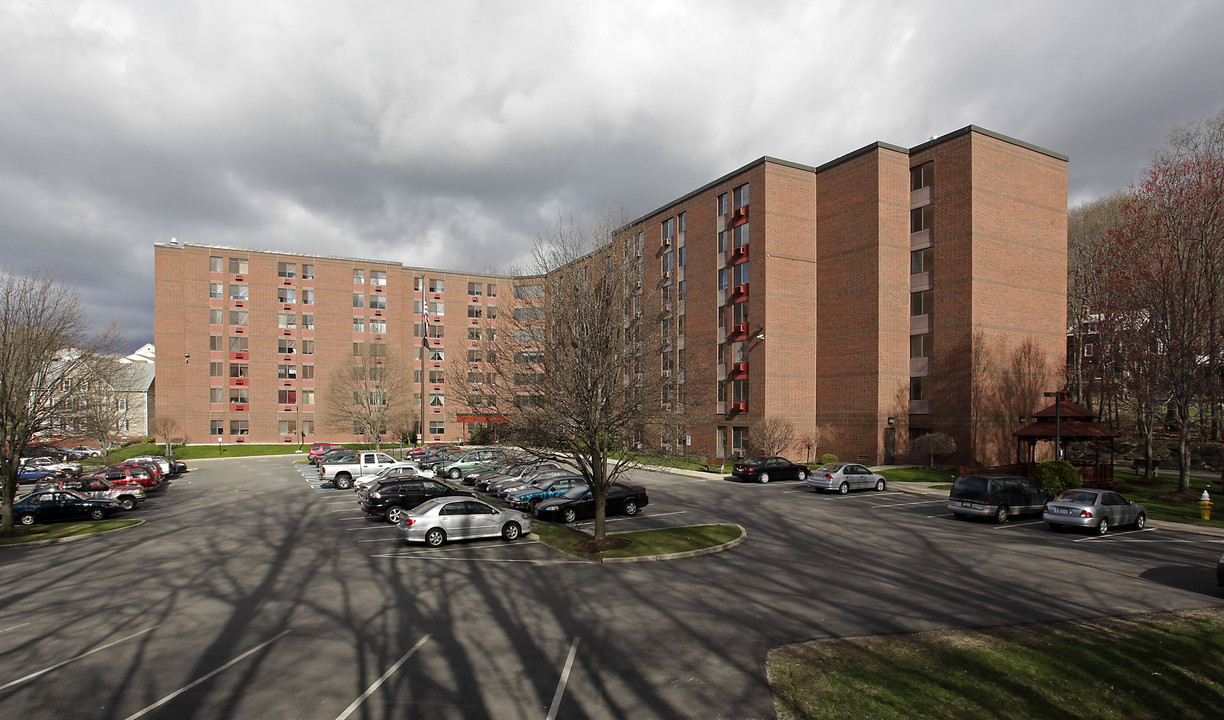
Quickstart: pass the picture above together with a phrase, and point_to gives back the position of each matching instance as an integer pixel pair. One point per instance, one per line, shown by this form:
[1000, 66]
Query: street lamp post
[1057, 423]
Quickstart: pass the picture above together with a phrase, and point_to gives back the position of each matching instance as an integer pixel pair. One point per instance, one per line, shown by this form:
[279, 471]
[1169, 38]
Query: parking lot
[260, 593]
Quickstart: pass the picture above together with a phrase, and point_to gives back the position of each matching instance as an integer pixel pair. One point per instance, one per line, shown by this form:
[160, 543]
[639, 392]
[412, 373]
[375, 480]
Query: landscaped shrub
[828, 458]
[1055, 476]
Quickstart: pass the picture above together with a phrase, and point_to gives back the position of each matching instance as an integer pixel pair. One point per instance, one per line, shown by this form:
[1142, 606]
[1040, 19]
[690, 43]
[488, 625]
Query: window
[921, 303]
[216, 342]
[922, 345]
[308, 322]
[418, 284]
[683, 221]
[286, 320]
[239, 292]
[239, 370]
[216, 264]
[922, 218]
[473, 355]
[722, 241]
[239, 427]
[491, 290]
[437, 331]
[739, 235]
[739, 351]
[239, 395]
[669, 228]
[286, 397]
[437, 400]
[492, 312]
[123, 425]
[238, 317]
[475, 288]
[723, 277]
[529, 357]
[286, 295]
[216, 291]
[739, 440]
[216, 317]
[358, 276]
[528, 291]
[378, 326]
[216, 427]
[308, 372]
[378, 302]
[523, 335]
[475, 378]
[286, 270]
[528, 314]
[437, 309]
[721, 206]
[920, 388]
[739, 313]
[308, 427]
[285, 347]
[922, 176]
[378, 277]
[216, 395]
[216, 369]
[437, 286]
[922, 261]
[475, 311]
[308, 396]
[121, 404]
[437, 354]
[437, 427]
[308, 272]
[740, 196]
[308, 297]
[238, 266]
[739, 274]
[668, 260]
[473, 333]
[286, 372]
[682, 256]
[358, 325]
[437, 377]
[358, 300]
[491, 334]
[239, 344]
[286, 427]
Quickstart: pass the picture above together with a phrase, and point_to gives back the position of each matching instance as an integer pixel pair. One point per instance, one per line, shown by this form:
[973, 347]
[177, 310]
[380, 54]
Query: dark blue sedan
[53, 505]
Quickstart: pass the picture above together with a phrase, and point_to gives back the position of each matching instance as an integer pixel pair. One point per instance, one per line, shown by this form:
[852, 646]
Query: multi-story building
[872, 298]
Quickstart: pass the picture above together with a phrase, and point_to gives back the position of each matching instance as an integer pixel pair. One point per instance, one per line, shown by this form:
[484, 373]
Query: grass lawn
[1163, 502]
[920, 474]
[643, 542]
[1140, 667]
[54, 531]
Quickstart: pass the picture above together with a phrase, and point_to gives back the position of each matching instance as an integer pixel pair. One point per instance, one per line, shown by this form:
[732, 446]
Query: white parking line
[920, 502]
[386, 526]
[14, 627]
[185, 688]
[44, 671]
[569, 663]
[378, 683]
[1008, 526]
[1112, 536]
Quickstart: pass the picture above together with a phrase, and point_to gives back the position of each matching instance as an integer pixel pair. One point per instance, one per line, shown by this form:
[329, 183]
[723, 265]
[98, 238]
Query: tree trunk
[1183, 448]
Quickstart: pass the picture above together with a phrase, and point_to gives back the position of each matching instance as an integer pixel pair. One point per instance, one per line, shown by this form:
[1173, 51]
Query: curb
[681, 555]
[74, 538]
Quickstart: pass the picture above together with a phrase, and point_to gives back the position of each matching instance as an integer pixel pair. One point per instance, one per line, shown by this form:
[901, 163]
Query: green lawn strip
[1134, 487]
[1150, 666]
[919, 474]
[644, 542]
[39, 533]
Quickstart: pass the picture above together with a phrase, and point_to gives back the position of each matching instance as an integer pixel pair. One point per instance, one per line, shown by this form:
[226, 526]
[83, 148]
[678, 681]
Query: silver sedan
[457, 518]
[844, 477]
[1096, 510]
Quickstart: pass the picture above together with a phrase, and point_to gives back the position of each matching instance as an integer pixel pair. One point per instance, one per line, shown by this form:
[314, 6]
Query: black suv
[394, 496]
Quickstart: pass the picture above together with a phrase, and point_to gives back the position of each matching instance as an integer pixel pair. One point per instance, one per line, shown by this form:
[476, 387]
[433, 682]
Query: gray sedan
[1096, 510]
[455, 518]
[844, 477]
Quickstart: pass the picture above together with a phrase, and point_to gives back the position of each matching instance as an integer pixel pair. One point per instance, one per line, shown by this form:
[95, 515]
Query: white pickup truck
[342, 472]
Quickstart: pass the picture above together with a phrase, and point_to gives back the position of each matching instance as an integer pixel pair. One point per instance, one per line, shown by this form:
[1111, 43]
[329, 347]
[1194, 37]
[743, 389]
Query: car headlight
[375, 494]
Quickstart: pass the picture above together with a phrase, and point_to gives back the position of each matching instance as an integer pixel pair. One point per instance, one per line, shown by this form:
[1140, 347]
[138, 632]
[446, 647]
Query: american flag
[425, 324]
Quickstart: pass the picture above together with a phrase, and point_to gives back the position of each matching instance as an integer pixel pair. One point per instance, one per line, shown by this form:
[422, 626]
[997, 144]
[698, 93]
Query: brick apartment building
[861, 295]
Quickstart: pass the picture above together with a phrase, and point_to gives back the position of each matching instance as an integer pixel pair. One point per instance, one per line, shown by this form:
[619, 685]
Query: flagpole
[424, 349]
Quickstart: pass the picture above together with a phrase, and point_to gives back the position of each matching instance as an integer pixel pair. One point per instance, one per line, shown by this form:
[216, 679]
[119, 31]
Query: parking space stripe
[14, 627]
[371, 527]
[921, 502]
[44, 671]
[569, 663]
[185, 688]
[422, 556]
[1114, 536]
[1008, 526]
[378, 683]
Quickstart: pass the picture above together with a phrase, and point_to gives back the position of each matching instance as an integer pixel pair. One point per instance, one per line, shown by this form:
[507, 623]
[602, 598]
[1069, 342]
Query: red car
[123, 475]
[427, 450]
[318, 450]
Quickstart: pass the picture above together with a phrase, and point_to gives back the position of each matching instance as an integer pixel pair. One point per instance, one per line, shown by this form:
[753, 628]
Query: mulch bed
[598, 546]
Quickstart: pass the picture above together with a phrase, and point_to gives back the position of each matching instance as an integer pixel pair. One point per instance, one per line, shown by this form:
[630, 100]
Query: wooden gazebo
[1063, 422]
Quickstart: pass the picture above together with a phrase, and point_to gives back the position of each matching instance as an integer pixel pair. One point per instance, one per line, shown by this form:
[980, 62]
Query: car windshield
[1078, 496]
[429, 505]
[829, 468]
[754, 461]
[576, 492]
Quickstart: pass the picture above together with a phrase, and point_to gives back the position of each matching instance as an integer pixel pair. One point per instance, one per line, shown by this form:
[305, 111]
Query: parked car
[529, 497]
[579, 503]
[442, 519]
[392, 498]
[487, 482]
[153, 469]
[84, 451]
[94, 486]
[52, 505]
[317, 450]
[490, 469]
[166, 467]
[428, 449]
[1095, 510]
[52, 464]
[342, 471]
[404, 468]
[502, 488]
[995, 496]
[844, 477]
[30, 476]
[764, 469]
[455, 466]
[432, 460]
[120, 475]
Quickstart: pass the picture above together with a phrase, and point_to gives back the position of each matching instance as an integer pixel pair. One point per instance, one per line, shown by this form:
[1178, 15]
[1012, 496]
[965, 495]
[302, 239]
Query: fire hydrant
[1205, 505]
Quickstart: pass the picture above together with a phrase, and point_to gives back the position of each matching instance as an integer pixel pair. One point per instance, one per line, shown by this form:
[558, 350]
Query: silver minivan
[995, 496]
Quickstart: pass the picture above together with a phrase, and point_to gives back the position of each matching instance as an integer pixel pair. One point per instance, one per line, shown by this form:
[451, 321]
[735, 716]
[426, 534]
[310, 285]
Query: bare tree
[934, 444]
[370, 396]
[807, 442]
[166, 428]
[567, 373]
[99, 414]
[46, 343]
[771, 436]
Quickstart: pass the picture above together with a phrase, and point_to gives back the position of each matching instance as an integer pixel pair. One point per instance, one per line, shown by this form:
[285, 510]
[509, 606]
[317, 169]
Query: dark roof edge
[989, 133]
[862, 151]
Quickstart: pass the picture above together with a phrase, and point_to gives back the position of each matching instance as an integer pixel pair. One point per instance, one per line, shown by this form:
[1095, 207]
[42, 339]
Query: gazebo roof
[1066, 410]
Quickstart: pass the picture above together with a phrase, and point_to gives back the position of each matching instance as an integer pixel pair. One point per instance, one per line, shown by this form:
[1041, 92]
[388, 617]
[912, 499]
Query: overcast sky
[448, 134]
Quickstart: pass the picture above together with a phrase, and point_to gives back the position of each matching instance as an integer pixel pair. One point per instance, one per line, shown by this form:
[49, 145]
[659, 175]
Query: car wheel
[631, 507]
[511, 531]
[843, 488]
[801, 476]
[1001, 514]
[97, 514]
[435, 537]
[343, 482]
[127, 502]
[880, 485]
[394, 513]
[26, 519]
[569, 515]
[454, 474]
[763, 478]
[1103, 526]
[1055, 527]
[1140, 521]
